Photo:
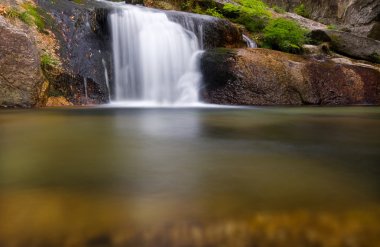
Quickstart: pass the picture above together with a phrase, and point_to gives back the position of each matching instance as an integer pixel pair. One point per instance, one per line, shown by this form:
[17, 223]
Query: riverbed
[113, 176]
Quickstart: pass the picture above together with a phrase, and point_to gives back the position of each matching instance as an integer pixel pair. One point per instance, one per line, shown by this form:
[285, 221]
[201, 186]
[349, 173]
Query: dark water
[190, 177]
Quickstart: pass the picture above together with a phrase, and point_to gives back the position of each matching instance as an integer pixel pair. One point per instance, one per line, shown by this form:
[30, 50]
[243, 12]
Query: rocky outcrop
[360, 16]
[266, 77]
[363, 17]
[21, 79]
[350, 44]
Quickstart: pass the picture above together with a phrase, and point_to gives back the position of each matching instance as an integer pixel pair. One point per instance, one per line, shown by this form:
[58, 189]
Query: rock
[82, 31]
[360, 16]
[350, 44]
[214, 32]
[363, 17]
[140, 2]
[58, 101]
[267, 77]
[20, 74]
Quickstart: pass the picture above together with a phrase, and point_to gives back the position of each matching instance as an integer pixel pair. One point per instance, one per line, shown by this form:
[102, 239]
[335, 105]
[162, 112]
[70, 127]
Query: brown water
[190, 177]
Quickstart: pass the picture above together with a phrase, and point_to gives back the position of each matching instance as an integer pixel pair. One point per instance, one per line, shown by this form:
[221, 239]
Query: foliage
[253, 14]
[31, 15]
[47, 61]
[214, 12]
[302, 11]
[198, 10]
[285, 35]
[278, 9]
[12, 13]
[331, 27]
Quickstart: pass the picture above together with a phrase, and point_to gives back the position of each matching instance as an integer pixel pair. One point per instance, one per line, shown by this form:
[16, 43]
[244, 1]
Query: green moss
[278, 9]
[253, 14]
[33, 15]
[302, 11]
[47, 61]
[331, 27]
[284, 35]
[214, 12]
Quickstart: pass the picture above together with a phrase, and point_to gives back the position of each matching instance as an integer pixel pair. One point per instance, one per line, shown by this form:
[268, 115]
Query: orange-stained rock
[58, 101]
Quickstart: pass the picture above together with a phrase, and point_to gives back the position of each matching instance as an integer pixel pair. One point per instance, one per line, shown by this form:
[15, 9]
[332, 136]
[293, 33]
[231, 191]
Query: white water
[155, 60]
[250, 43]
[107, 80]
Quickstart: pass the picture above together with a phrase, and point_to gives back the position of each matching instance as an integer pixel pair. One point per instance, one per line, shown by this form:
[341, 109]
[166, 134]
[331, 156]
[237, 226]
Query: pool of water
[190, 177]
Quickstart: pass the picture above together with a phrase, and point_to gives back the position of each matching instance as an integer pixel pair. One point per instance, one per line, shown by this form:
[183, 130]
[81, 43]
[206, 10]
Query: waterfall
[250, 43]
[155, 60]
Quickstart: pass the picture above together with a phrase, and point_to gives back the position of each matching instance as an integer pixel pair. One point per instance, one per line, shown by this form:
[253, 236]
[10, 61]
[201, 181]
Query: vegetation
[278, 9]
[47, 61]
[214, 12]
[302, 11]
[253, 14]
[284, 35]
[31, 15]
[331, 27]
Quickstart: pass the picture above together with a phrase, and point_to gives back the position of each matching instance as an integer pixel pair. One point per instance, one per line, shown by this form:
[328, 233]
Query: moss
[284, 35]
[214, 12]
[302, 11]
[278, 9]
[252, 14]
[47, 61]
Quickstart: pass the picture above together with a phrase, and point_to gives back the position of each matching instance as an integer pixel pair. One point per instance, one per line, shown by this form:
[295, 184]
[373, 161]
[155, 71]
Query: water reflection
[190, 177]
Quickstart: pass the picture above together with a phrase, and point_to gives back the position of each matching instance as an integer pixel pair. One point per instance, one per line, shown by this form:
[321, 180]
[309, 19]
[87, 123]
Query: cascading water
[155, 60]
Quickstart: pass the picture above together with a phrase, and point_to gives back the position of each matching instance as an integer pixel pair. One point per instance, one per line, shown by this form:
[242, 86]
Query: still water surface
[190, 177]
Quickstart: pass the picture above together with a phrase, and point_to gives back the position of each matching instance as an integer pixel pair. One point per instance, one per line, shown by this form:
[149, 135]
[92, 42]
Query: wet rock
[140, 2]
[213, 32]
[350, 44]
[85, 49]
[20, 74]
[267, 77]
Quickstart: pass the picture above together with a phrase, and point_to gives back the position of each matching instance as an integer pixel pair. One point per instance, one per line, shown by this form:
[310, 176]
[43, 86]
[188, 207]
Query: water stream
[155, 60]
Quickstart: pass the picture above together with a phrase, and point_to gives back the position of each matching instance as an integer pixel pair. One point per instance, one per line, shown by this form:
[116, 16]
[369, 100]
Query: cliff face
[361, 16]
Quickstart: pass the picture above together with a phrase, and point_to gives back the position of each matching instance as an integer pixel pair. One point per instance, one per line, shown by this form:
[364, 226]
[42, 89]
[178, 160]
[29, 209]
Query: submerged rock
[266, 77]
[21, 79]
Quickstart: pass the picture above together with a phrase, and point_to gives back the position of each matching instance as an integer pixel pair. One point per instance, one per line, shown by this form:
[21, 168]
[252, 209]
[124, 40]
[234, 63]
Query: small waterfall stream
[155, 60]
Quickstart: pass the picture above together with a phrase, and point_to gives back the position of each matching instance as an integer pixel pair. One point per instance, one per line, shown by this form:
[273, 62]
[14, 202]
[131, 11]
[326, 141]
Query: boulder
[20, 74]
[267, 77]
[350, 44]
